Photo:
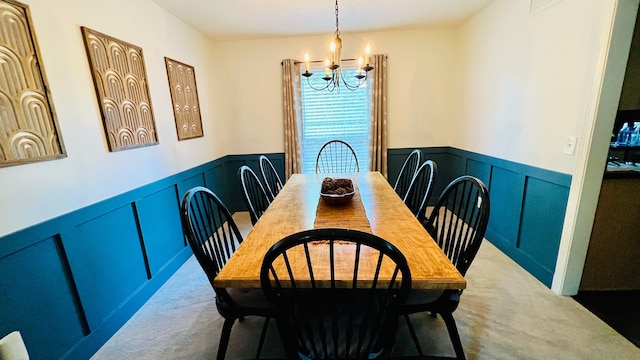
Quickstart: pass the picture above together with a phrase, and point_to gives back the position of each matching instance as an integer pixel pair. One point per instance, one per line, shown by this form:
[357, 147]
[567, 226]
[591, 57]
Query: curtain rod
[315, 61]
[319, 61]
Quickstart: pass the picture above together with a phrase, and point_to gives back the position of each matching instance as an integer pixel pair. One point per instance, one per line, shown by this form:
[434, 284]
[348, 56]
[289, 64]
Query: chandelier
[333, 75]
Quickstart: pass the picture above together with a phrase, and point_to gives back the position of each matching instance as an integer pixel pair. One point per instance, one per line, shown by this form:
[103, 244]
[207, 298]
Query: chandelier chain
[337, 30]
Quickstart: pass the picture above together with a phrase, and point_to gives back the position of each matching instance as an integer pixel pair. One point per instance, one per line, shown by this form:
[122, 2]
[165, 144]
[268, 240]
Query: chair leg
[263, 335]
[224, 338]
[412, 331]
[454, 335]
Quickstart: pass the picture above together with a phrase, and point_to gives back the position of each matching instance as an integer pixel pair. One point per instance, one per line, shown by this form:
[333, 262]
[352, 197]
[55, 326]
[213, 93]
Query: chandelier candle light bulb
[333, 52]
[367, 51]
[336, 47]
[306, 60]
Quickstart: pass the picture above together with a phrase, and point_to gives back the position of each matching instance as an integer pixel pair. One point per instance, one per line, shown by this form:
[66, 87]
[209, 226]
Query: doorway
[610, 283]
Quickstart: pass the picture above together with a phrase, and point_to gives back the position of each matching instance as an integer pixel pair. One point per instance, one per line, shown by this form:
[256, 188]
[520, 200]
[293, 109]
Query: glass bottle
[622, 135]
[635, 134]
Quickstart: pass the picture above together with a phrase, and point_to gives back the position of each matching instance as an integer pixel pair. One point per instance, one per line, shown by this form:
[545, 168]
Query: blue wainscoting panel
[506, 193]
[215, 180]
[190, 182]
[163, 238]
[107, 261]
[450, 166]
[232, 165]
[479, 169]
[539, 232]
[235, 201]
[38, 299]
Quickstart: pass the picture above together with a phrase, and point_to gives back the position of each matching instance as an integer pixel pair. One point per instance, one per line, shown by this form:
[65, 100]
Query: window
[338, 115]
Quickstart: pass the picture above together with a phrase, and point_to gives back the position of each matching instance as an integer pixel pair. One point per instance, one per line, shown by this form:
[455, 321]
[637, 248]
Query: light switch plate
[570, 145]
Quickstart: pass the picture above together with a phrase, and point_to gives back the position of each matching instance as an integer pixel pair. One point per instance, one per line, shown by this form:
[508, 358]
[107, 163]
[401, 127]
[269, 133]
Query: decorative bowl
[337, 191]
[335, 199]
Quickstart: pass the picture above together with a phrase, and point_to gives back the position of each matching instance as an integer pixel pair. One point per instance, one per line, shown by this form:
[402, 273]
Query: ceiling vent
[535, 6]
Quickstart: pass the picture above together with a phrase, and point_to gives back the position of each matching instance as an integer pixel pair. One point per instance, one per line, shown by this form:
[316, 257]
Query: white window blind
[338, 115]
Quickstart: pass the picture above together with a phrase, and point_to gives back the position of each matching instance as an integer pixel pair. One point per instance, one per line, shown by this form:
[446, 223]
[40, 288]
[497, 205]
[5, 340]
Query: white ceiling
[252, 19]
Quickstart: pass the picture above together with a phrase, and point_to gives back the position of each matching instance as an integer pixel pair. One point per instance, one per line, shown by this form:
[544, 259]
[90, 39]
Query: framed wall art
[184, 98]
[120, 80]
[29, 129]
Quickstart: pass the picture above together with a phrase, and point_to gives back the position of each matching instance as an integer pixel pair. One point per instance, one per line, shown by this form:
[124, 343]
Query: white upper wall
[239, 87]
[36, 192]
[422, 67]
[505, 84]
[529, 80]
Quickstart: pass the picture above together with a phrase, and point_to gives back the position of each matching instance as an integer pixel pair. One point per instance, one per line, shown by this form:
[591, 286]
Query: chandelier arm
[352, 87]
[326, 87]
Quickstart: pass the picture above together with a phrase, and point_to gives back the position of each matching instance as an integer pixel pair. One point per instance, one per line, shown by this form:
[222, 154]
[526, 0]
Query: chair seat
[423, 296]
[250, 298]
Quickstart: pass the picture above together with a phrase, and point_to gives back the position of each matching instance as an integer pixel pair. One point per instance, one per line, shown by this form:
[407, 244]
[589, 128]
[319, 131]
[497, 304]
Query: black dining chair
[253, 192]
[457, 224]
[344, 318]
[408, 170]
[420, 189]
[336, 156]
[213, 236]
[270, 176]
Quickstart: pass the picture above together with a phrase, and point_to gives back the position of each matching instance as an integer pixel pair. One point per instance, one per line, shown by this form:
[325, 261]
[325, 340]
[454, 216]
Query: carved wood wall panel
[28, 124]
[120, 79]
[184, 97]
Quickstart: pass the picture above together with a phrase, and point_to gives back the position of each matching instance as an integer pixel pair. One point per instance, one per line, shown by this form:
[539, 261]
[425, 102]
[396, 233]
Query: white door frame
[592, 156]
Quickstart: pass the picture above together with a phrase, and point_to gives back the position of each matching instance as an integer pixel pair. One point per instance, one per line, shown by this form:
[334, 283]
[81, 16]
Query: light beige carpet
[505, 313]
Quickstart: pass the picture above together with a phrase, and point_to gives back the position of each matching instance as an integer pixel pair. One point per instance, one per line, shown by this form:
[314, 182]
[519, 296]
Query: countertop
[622, 171]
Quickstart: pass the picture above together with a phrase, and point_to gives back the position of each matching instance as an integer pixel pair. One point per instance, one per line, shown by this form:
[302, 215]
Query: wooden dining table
[375, 208]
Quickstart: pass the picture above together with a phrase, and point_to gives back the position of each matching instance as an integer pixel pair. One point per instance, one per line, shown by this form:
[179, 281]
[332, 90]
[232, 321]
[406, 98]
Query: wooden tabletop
[298, 207]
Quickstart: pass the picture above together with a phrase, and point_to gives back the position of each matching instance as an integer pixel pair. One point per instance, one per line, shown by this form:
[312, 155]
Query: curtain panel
[292, 106]
[379, 139]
